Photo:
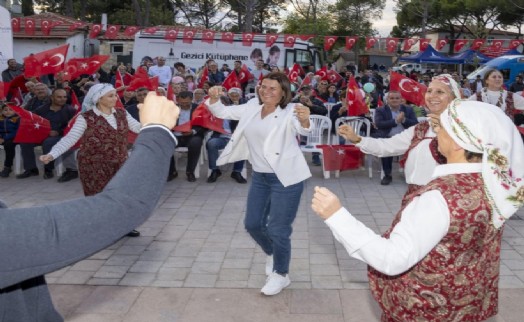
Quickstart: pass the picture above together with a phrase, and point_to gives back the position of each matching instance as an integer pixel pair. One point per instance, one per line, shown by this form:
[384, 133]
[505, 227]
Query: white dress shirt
[425, 221]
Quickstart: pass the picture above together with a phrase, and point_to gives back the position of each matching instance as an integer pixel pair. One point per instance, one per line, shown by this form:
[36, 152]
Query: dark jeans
[194, 145]
[387, 165]
[213, 146]
[28, 154]
[271, 210]
[9, 148]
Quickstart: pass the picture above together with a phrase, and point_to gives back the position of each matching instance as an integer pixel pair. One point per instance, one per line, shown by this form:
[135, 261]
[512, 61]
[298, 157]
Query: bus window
[290, 58]
[303, 57]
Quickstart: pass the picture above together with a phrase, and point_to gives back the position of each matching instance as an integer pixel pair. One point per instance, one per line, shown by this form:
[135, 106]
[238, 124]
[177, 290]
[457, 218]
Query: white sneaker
[275, 283]
[269, 265]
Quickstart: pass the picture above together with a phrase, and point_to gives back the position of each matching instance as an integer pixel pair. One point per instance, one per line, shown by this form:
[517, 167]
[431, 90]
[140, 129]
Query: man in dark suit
[392, 119]
[192, 139]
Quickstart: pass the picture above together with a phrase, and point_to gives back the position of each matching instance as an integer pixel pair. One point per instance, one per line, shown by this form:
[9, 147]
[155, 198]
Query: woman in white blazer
[266, 135]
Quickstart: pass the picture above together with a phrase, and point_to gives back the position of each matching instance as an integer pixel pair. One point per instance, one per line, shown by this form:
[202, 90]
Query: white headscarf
[484, 128]
[94, 94]
[448, 80]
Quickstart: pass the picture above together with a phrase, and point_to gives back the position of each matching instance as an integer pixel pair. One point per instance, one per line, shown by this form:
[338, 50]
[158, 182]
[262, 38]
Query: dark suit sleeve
[384, 119]
[39, 240]
[410, 117]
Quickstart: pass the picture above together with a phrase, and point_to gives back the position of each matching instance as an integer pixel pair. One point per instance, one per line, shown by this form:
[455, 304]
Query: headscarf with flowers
[483, 128]
[448, 80]
[94, 94]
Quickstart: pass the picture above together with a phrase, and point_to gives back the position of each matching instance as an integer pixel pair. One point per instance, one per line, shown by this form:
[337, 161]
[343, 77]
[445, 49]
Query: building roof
[59, 31]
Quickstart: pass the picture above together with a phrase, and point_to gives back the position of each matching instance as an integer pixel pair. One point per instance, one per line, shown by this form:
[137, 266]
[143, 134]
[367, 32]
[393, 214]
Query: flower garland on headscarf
[94, 94]
[448, 80]
[484, 128]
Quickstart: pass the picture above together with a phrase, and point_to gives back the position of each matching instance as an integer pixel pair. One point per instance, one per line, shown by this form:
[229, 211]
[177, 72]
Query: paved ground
[195, 262]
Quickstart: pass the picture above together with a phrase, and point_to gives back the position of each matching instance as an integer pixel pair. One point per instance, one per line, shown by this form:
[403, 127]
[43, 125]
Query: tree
[27, 8]
[204, 13]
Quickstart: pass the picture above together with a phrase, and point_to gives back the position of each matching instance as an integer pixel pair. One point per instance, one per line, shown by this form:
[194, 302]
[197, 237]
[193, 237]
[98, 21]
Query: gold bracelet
[357, 141]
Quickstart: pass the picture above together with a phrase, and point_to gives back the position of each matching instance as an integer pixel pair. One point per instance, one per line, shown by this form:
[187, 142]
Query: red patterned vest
[458, 279]
[510, 105]
[103, 150]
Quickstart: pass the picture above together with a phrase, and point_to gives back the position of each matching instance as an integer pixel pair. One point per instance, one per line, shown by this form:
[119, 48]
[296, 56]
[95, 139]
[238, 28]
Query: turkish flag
[329, 41]
[16, 88]
[141, 73]
[15, 24]
[46, 62]
[341, 157]
[55, 23]
[75, 102]
[130, 31]
[289, 40]
[76, 25]
[514, 43]
[351, 41]
[203, 117]
[188, 36]
[96, 29]
[408, 43]
[391, 44]
[203, 77]
[271, 39]
[322, 72]
[244, 75]
[112, 31]
[29, 26]
[424, 43]
[306, 80]
[171, 34]
[228, 37]
[150, 30]
[32, 129]
[4, 89]
[380, 103]
[80, 66]
[477, 43]
[247, 38]
[410, 89]
[294, 72]
[305, 37]
[46, 25]
[333, 77]
[496, 44]
[150, 83]
[186, 127]
[231, 81]
[459, 43]
[370, 42]
[356, 103]
[441, 43]
[208, 36]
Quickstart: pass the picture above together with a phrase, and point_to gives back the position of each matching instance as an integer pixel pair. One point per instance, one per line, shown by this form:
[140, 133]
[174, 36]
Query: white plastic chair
[319, 135]
[356, 123]
[184, 150]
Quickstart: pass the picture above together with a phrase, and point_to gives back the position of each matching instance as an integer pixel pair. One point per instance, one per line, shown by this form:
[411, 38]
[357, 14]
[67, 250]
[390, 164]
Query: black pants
[9, 148]
[194, 146]
[387, 165]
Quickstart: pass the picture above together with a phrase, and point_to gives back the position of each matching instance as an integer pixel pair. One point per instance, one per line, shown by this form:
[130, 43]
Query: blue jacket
[384, 121]
[9, 126]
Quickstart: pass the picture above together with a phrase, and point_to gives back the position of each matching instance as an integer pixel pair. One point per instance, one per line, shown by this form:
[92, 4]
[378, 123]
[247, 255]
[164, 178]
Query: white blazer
[281, 148]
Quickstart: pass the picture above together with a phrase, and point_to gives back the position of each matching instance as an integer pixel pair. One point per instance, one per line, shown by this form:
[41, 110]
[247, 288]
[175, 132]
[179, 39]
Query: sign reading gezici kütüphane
[6, 38]
[215, 56]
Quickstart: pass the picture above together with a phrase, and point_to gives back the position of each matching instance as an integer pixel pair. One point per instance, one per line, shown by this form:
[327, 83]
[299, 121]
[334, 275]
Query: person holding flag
[417, 144]
[102, 131]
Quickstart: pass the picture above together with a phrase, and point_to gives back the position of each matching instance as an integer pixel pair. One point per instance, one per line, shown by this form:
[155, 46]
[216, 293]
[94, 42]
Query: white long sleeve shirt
[425, 221]
[78, 129]
[420, 163]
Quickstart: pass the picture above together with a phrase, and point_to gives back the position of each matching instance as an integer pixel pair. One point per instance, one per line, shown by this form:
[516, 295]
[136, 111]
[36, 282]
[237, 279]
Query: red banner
[247, 38]
[46, 62]
[408, 43]
[244, 75]
[350, 42]
[333, 76]
[441, 43]
[76, 25]
[188, 36]
[228, 37]
[130, 31]
[203, 78]
[15, 24]
[33, 128]
[231, 81]
[46, 26]
[138, 82]
[171, 34]
[96, 29]
[203, 117]
[208, 36]
[329, 41]
[289, 41]
[370, 42]
[477, 43]
[294, 72]
[29, 26]
[322, 72]
[391, 44]
[459, 43]
[150, 30]
[271, 39]
[341, 157]
[356, 103]
[514, 43]
[410, 89]
[424, 43]
[112, 31]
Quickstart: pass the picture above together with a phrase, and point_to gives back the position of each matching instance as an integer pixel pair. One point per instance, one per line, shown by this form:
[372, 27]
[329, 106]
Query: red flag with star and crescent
[80, 66]
[171, 34]
[351, 41]
[32, 129]
[356, 104]
[514, 43]
[370, 42]
[333, 77]
[329, 41]
[228, 37]
[29, 26]
[46, 26]
[424, 43]
[46, 62]
[112, 31]
[15, 24]
[96, 29]
[408, 43]
[244, 75]
[271, 39]
[76, 25]
[459, 43]
[130, 31]
[247, 38]
[391, 44]
[188, 36]
[289, 40]
[208, 36]
[294, 72]
[322, 72]
[231, 81]
[203, 78]
[341, 157]
[204, 118]
[441, 43]
[151, 83]
[410, 89]
[477, 43]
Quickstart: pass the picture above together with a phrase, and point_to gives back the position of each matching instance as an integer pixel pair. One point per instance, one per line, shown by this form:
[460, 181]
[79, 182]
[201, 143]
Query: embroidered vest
[458, 279]
[101, 142]
[510, 105]
[420, 134]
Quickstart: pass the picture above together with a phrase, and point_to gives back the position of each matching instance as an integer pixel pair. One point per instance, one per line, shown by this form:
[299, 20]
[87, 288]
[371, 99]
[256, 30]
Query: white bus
[194, 55]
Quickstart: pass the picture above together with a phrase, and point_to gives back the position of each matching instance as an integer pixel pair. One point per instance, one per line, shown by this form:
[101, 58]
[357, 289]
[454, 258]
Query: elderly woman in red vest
[440, 259]
[103, 132]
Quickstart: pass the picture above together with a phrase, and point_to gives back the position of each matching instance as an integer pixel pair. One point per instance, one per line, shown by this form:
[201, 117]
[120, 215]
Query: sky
[388, 20]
